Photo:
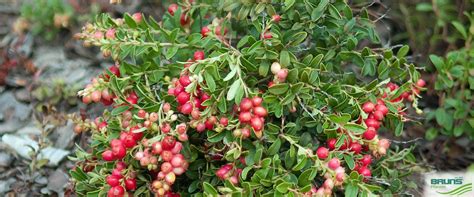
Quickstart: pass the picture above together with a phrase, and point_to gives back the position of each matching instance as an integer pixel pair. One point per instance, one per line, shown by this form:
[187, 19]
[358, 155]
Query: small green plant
[46, 17]
[454, 86]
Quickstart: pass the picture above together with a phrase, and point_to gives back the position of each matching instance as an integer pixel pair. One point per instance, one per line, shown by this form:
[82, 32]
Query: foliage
[454, 85]
[322, 87]
[46, 17]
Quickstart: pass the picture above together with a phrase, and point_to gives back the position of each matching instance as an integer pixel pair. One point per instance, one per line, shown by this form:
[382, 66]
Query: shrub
[454, 85]
[245, 98]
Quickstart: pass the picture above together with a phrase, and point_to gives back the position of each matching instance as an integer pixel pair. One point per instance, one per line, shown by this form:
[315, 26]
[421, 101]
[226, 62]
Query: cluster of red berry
[116, 178]
[251, 112]
[96, 92]
[188, 102]
[230, 172]
[173, 163]
[279, 72]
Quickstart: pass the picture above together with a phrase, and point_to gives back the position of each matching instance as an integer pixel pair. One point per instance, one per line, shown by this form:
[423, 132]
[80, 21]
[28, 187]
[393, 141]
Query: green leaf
[279, 88]
[233, 90]
[319, 11]
[431, 134]
[209, 189]
[284, 58]
[230, 75]
[350, 161]
[444, 119]
[298, 38]
[403, 51]
[460, 28]
[283, 187]
[289, 4]
[119, 110]
[399, 128]
[170, 52]
[351, 190]
[437, 62]
[342, 119]
[275, 147]
[356, 128]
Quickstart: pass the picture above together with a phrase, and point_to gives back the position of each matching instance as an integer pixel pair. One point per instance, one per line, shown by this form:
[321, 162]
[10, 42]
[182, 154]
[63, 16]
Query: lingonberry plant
[246, 98]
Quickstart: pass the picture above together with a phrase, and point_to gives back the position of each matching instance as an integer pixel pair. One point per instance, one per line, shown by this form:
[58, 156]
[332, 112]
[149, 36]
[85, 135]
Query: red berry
[96, 96]
[370, 133]
[322, 152]
[200, 127]
[177, 160]
[187, 108]
[110, 33]
[366, 160]
[276, 18]
[331, 143]
[420, 83]
[260, 111]
[129, 141]
[108, 155]
[132, 98]
[112, 180]
[178, 90]
[246, 104]
[257, 101]
[183, 97]
[141, 113]
[368, 107]
[137, 17]
[257, 123]
[382, 108]
[172, 8]
[184, 19]
[116, 191]
[114, 70]
[334, 163]
[177, 148]
[245, 133]
[156, 148]
[219, 29]
[120, 165]
[378, 115]
[205, 31]
[168, 143]
[245, 117]
[166, 155]
[204, 97]
[184, 80]
[209, 125]
[119, 152]
[282, 74]
[170, 178]
[116, 142]
[224, 121]
[267, 35]
[130, 184]
[364, 171]
[372, 123]
[199, 55]
[86, 99]
[166, 167]
[356, 147]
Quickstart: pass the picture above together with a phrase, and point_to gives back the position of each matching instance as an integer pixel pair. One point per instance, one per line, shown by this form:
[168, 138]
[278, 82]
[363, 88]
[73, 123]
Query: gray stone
[8, 103]
[29, 129]
[5, 159]
[22, 145]
[23, 95]
[57, 181]
[5, 185]
[66, 135]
